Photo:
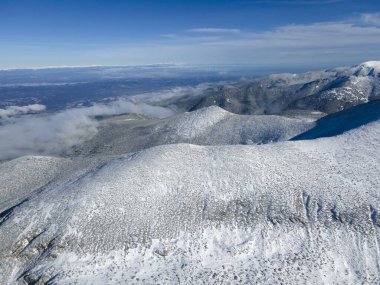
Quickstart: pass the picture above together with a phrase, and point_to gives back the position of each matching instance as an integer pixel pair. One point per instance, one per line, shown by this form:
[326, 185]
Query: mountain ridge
[207, 196]
[326, 91]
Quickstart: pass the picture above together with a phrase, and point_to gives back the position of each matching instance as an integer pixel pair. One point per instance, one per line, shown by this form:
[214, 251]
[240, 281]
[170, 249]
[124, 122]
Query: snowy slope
[326, 91]
[213, 125]
[21, 177]
[209, 196]
[340, 122]
[290, 212]
[207, 126]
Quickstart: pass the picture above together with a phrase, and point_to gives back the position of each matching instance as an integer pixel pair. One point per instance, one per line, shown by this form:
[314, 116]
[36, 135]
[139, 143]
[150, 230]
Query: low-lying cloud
[50, 134]
[19, 110]
[164, 96]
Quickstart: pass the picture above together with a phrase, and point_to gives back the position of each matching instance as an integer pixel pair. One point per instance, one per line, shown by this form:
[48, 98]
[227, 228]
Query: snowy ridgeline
[193, 198]
[327, 91]
[291, 212]
[311, 94]
[207, 126]
[78, 132]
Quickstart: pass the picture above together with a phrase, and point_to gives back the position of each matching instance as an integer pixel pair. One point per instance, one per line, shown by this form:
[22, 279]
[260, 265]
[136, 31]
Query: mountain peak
[367, 68]
[371, 64]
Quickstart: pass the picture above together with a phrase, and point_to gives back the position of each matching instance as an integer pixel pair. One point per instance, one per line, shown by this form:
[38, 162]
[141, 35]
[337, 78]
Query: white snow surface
[302, 212]
[206, 126]
[372, 64]
[214, 125]
[21, 176]
[362, 70]
[368, 68]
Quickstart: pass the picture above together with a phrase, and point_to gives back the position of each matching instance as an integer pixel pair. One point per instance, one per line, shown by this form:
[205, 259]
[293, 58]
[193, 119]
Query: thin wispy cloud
[215, 30]
[236, 30]
[293, 2]
[328, 43]
[315, 45]
[170, 36]
[371, 19]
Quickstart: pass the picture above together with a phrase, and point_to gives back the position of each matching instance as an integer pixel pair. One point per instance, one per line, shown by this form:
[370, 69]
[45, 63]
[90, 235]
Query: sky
[283, 33]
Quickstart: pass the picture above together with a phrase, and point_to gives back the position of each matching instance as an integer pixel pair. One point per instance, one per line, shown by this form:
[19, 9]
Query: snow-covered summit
[206, 126]
[326, 91]
[368, 68]
[372, 64]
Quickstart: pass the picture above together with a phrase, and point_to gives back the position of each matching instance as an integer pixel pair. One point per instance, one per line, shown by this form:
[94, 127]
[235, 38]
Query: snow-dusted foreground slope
[292, 213]
[21, 177]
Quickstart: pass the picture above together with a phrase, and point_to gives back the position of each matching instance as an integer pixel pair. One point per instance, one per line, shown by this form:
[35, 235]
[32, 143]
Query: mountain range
[326, 91]
[270, 180]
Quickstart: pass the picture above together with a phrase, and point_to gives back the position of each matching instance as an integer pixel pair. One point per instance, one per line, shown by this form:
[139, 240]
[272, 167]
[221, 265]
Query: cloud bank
[164, 96]
[19, 110]
[56, 133]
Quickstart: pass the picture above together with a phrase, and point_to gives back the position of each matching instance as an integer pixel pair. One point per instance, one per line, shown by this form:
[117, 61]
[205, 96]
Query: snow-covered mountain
[290, 212]
[340, 122]
[207, 126]
[326, 91]
[22, 176]
[208, 196]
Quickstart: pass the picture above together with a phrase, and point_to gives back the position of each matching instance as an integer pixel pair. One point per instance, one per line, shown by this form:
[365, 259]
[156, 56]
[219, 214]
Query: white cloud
[19, 110]
[315, 45]
[323, 35]
[56, 133]
[293, 2]
[371, 19]
[166, 95]
[215, 31]
[324, 43]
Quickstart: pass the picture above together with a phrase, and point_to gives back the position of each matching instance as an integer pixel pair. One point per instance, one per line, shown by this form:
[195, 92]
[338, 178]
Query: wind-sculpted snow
[208, 126]
[20, 177]
[291, 212]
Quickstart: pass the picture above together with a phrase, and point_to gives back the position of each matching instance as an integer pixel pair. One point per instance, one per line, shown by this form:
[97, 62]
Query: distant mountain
[326, 91]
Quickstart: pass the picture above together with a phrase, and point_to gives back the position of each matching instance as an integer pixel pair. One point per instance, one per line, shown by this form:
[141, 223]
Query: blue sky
[284, 33]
